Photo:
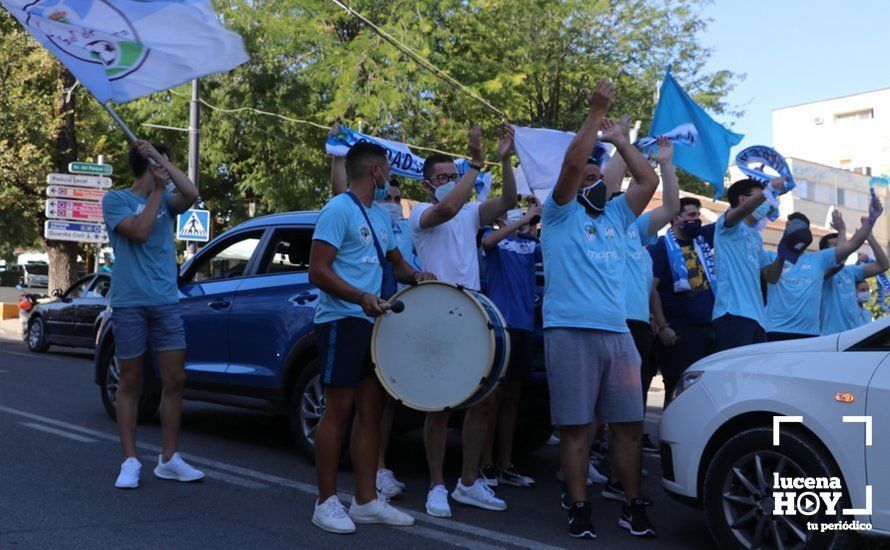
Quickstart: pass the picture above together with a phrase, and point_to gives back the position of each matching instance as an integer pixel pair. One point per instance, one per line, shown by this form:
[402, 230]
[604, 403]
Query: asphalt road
[60, 457]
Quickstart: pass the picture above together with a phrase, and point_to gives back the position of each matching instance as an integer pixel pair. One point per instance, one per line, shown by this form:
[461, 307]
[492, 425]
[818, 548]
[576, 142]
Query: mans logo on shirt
[589, 230]
[364, 234]
[141, 207]
[610, 233]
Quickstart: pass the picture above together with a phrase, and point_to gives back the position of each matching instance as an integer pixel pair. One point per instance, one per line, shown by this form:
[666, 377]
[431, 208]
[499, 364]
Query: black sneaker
[489, 475]
[580, 522]
[600, 447]
[648, 446]
[615, 491]
[634, 519]
[510, 476]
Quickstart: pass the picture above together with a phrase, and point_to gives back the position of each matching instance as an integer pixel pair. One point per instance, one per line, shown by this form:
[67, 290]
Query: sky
[795, 51]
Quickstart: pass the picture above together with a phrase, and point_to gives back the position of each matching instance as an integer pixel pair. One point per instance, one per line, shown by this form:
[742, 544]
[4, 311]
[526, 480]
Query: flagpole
[117, 119]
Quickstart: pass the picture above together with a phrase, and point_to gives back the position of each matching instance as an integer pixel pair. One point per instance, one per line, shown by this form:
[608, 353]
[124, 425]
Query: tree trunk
[63, 254]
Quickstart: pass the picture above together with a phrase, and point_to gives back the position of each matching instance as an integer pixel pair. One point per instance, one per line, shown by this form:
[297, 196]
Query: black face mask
[593, 197]
[692, 228]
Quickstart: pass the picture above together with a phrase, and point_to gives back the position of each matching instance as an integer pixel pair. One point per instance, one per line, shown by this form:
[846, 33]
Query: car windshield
[38, 269]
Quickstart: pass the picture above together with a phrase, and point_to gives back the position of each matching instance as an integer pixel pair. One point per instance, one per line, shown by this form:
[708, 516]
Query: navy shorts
[522, 354]
[137, 328]
[732, 331]
[344, 351]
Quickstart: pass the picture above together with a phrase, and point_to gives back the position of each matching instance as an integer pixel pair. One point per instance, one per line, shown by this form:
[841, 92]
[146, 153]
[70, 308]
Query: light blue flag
[403, 162]
[707, 157]
[124, 49]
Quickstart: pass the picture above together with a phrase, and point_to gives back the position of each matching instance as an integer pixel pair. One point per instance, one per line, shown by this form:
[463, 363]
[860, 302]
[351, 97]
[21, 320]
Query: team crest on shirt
[589, 230]
[364, 233]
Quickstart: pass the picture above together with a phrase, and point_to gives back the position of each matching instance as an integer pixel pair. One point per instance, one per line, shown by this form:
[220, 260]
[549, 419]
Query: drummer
[345, 263]
[444, 232]
[593, 368]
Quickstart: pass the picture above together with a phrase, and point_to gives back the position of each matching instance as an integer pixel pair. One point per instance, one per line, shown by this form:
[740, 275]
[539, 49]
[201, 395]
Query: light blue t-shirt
[793, 304]
[342, 225]
[402, 235]
[840, 310]
[584, 265]
[144, 273]
[864, 316]
[740, 257]
[638, 269]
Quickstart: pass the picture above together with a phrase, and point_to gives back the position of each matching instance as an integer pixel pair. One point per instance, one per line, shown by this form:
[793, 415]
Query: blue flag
[124, 49]
[708, 155]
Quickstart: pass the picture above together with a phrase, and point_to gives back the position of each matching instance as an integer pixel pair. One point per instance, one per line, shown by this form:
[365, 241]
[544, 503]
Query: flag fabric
[403, 162]
[708, 158]
[124, 49]
[541, 152]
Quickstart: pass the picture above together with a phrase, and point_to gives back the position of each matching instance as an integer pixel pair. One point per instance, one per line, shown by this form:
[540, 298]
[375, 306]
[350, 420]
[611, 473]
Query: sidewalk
[11, 329]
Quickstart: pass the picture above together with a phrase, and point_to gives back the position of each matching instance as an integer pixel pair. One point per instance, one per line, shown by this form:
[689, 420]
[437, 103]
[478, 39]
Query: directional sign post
[87, 211]
[193, 225]
[61, 230]
[97, 182]
[78, 193]
[90, 168]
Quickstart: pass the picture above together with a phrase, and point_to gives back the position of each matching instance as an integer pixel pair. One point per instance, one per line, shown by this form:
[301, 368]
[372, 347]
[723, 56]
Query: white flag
[541, 152]
[125, 49]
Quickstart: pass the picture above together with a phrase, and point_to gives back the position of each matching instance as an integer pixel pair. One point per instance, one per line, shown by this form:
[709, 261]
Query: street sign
[87, 211]
[82, 193]
[98, 182]
[90, 168]
[60, 230]
[193, 225]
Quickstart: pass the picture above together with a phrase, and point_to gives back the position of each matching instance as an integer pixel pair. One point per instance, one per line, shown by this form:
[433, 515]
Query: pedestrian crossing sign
[193, 225]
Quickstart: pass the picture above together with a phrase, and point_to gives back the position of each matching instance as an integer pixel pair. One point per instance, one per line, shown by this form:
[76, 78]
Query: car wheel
[306, 409]
[37, 336]
[738, 489]
[109, 374]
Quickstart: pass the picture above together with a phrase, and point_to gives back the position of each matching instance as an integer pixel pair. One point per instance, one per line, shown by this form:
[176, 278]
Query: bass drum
[449, 348]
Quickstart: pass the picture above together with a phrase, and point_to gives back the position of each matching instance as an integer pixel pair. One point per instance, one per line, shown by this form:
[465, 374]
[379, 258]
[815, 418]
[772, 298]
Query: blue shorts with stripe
[344, 351]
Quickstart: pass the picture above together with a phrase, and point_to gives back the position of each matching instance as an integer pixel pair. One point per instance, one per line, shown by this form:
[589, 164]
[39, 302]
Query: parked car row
[71, 318]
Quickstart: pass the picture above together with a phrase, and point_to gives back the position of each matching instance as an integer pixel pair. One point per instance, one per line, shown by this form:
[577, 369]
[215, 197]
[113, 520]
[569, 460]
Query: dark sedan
[71, 318]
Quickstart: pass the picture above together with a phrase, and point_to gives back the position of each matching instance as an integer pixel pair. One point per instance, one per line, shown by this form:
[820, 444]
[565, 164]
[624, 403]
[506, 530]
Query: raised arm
[496, 207]
[738, 214]
[639, 195]
[670, 187]
[882, 263]
[492, 239]
[138, 228]
[338, 167]
[844, 249]
[445, 210]
[582, 144]
[164, 169]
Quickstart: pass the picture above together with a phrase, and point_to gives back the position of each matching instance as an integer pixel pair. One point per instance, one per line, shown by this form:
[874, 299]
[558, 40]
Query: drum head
[435, 354]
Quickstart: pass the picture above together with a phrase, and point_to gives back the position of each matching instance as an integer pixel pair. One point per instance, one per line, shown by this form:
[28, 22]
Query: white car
[718, 452]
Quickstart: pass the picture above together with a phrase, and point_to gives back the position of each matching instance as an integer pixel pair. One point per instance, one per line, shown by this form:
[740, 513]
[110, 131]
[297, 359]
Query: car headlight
[688, 379]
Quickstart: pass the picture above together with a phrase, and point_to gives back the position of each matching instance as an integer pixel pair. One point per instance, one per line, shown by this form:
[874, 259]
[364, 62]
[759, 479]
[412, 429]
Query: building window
[864, 114]
[840, 197]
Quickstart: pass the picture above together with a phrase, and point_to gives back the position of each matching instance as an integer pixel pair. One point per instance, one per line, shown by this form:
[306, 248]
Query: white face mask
[443, 190]
[863, 297]
[170, 187]
[395, 210]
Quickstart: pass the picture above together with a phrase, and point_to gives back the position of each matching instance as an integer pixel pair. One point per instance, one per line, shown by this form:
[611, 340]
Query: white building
[850, 132]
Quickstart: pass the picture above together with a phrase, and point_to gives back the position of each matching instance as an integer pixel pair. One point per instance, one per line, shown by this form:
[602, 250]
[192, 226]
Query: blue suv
[248, 308]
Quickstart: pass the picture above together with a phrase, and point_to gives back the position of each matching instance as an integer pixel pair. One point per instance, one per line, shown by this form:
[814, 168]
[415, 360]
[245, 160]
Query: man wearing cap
[840, 310]
[793, 302]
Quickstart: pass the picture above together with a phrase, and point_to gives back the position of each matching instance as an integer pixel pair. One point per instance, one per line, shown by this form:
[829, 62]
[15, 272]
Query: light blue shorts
[138, 328]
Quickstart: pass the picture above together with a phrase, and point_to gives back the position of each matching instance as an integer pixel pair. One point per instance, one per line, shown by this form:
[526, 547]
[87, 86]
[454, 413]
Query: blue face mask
[381, 193]
[443, 190]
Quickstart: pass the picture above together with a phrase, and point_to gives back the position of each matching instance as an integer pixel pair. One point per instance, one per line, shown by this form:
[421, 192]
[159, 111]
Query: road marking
[59, 433]
[241, 482]
[450, 525]
[447, 538]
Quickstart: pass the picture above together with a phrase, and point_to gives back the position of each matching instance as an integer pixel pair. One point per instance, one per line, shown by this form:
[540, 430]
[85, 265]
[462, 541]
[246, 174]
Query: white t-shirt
[449, 250]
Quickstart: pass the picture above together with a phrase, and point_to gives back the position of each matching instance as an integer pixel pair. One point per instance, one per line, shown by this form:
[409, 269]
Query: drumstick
[396, 307]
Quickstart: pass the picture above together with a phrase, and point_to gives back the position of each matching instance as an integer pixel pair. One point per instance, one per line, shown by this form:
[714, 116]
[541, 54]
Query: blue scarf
[678, 261]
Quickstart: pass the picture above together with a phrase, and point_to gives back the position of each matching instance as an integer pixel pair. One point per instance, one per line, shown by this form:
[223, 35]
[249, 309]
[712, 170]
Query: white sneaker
[378, 511]
[177, 468]
[388, 485]
[437, 502]
[554, 439]
[594, 475]
[330, 516]
[129, 476]
[478, 494]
